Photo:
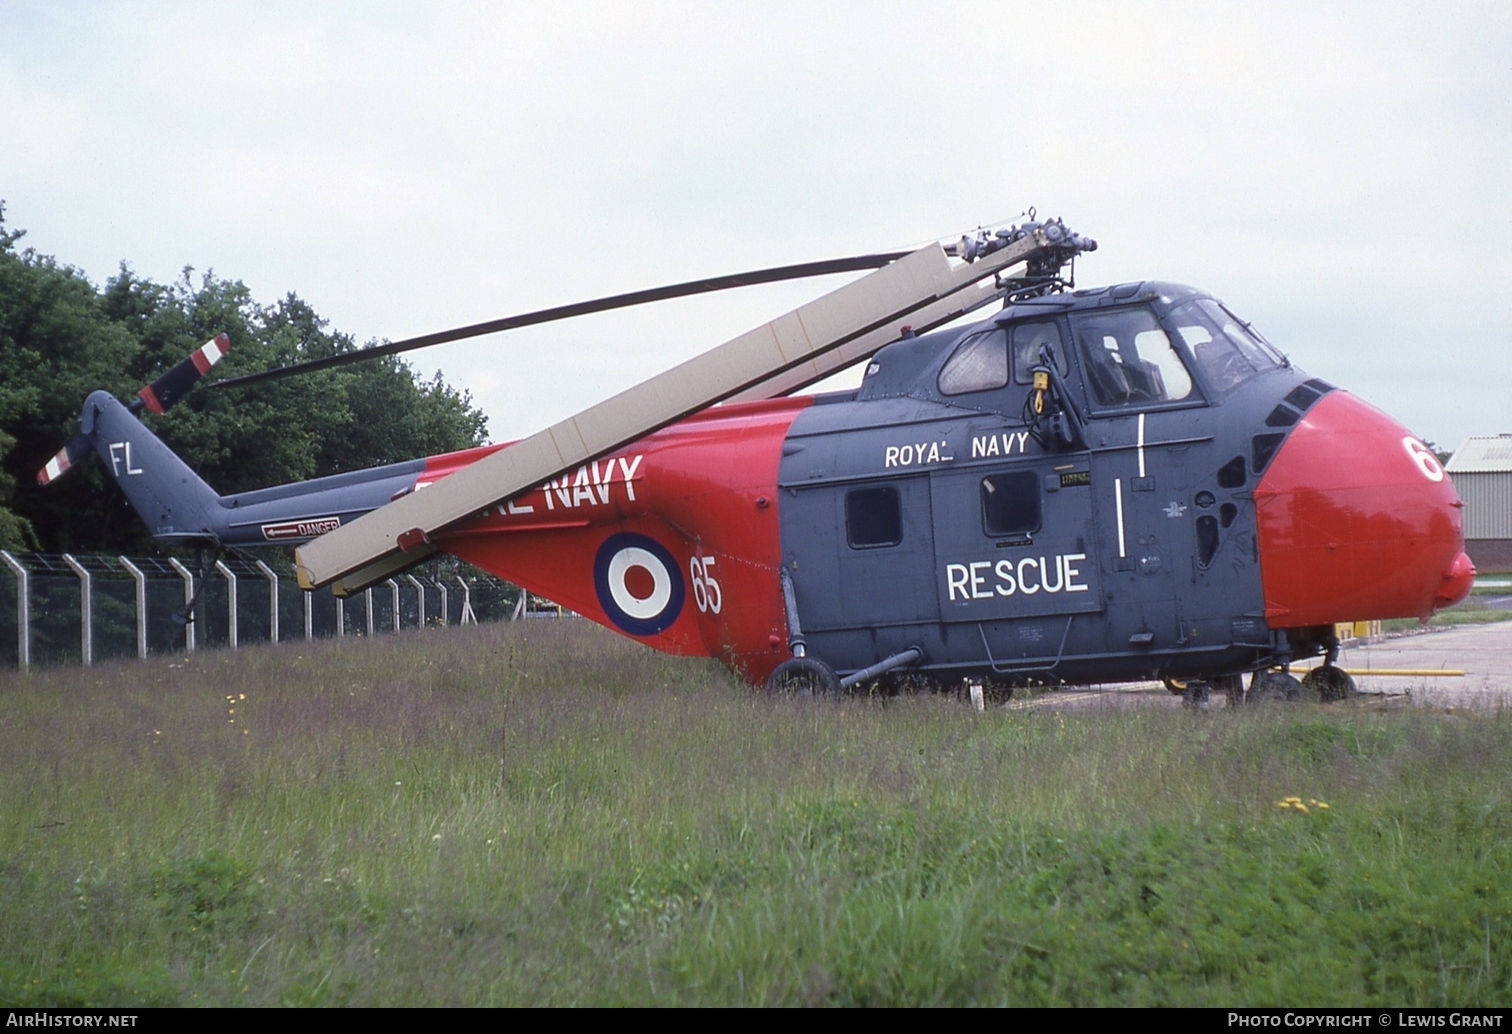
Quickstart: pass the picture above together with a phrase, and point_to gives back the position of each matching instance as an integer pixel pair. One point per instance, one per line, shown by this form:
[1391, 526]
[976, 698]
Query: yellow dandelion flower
[1301, 807]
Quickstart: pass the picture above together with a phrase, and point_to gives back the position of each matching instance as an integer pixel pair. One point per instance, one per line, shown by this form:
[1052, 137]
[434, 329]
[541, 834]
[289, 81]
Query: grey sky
[1337, 173]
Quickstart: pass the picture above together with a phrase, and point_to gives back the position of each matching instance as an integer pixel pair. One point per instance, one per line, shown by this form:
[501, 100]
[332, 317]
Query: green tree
[61, 338]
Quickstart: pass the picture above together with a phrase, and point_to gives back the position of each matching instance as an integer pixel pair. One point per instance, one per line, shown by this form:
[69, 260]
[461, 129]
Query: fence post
[183, 572]
[441, 585]
[421, 590]
[309, 604]
[141, 604]
[231, 608]
[340, 616]
[367, 606]
[521, 604]
[23, 611]
[86, 609]
[267, 572]
[467, 617]
[395, 586]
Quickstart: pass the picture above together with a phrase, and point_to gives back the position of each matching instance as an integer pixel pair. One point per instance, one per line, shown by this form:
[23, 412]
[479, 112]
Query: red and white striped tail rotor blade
[161, 394]
[67, 457]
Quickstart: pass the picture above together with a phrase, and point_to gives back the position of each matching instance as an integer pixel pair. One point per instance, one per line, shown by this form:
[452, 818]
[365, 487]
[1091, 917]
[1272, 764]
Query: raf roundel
[638, 583]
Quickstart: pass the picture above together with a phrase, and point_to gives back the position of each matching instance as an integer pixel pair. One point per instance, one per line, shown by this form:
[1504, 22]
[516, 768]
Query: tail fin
[171, 499]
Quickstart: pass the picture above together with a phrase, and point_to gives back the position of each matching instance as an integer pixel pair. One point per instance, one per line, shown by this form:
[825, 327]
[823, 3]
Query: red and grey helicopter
[1087, 486]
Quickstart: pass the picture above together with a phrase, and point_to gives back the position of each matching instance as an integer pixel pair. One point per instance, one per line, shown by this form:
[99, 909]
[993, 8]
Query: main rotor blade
[561, 312]
[376, 544]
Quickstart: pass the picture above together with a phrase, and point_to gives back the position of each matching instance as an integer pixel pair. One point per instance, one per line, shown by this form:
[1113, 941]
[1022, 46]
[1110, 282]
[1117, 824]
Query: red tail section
[672, 540]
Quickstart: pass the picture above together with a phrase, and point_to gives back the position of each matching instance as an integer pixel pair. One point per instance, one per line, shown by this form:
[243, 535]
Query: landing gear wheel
[1231, 686]
[803, 677]
[1273, 687]
[1330, 682]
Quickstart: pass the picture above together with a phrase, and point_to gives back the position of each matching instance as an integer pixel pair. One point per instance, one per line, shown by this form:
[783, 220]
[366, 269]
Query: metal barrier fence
[81, 609]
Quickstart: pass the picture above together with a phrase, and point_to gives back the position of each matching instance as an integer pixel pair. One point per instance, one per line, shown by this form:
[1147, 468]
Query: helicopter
[1092, 485]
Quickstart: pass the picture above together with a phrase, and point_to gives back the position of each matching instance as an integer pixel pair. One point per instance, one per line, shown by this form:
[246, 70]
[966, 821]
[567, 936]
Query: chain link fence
[66, 609]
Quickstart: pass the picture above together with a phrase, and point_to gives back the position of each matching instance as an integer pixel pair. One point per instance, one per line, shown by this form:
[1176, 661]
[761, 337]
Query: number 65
[706, 592]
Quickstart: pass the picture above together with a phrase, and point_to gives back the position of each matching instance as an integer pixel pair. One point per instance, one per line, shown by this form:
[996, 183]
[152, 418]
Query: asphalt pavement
[1483, 653]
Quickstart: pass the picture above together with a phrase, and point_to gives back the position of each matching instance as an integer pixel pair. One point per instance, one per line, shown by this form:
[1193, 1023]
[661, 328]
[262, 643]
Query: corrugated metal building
[1481, 469]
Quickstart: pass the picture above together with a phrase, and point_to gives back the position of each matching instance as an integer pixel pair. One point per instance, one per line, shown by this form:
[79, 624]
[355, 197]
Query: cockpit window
[1227, 352]
[1027, 339]
[1129, 359]
[979, 364]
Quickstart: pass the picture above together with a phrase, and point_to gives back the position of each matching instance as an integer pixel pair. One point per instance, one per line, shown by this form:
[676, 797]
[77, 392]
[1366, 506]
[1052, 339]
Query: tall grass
[543, 813]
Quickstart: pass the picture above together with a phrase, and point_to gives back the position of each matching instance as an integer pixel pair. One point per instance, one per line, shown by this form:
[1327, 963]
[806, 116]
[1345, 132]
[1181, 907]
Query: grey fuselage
[1139, 554]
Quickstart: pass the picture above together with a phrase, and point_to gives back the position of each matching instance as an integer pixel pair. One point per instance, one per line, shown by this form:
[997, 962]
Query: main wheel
[803, 677]
[1273, 687]
[1330, 682]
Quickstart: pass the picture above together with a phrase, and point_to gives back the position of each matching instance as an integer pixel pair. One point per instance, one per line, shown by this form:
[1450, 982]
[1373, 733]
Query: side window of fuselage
[1129, 361]
[980, 363]
[1028, 339]
[1011, 503]
[873, 517]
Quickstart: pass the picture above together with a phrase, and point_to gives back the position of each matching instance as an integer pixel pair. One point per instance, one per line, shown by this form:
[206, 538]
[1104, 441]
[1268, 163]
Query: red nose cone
[1357, 521]
[1457, 583]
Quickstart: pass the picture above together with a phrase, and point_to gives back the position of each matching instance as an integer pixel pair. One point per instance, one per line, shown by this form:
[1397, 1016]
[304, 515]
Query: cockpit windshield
[1227, 352]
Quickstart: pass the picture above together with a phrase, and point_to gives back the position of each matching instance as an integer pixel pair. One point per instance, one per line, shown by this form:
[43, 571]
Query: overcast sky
[1339, 174]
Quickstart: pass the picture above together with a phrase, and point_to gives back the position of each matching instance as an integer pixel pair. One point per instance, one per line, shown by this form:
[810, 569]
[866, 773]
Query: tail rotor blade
[162, 393]
[77, 448]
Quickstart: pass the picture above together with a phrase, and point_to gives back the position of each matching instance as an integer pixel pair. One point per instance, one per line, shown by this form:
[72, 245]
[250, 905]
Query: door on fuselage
[1014, 536]
[1016, 540]
[1141, 398]
[860, 555]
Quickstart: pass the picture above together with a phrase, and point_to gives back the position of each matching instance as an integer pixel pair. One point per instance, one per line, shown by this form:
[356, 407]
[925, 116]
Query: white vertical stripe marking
[1118, 505]
[1141, 445]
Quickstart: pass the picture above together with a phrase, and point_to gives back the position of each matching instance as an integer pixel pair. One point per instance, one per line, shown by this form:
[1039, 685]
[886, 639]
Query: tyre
[1273, 687]
[803, 677]
[1330, 683]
